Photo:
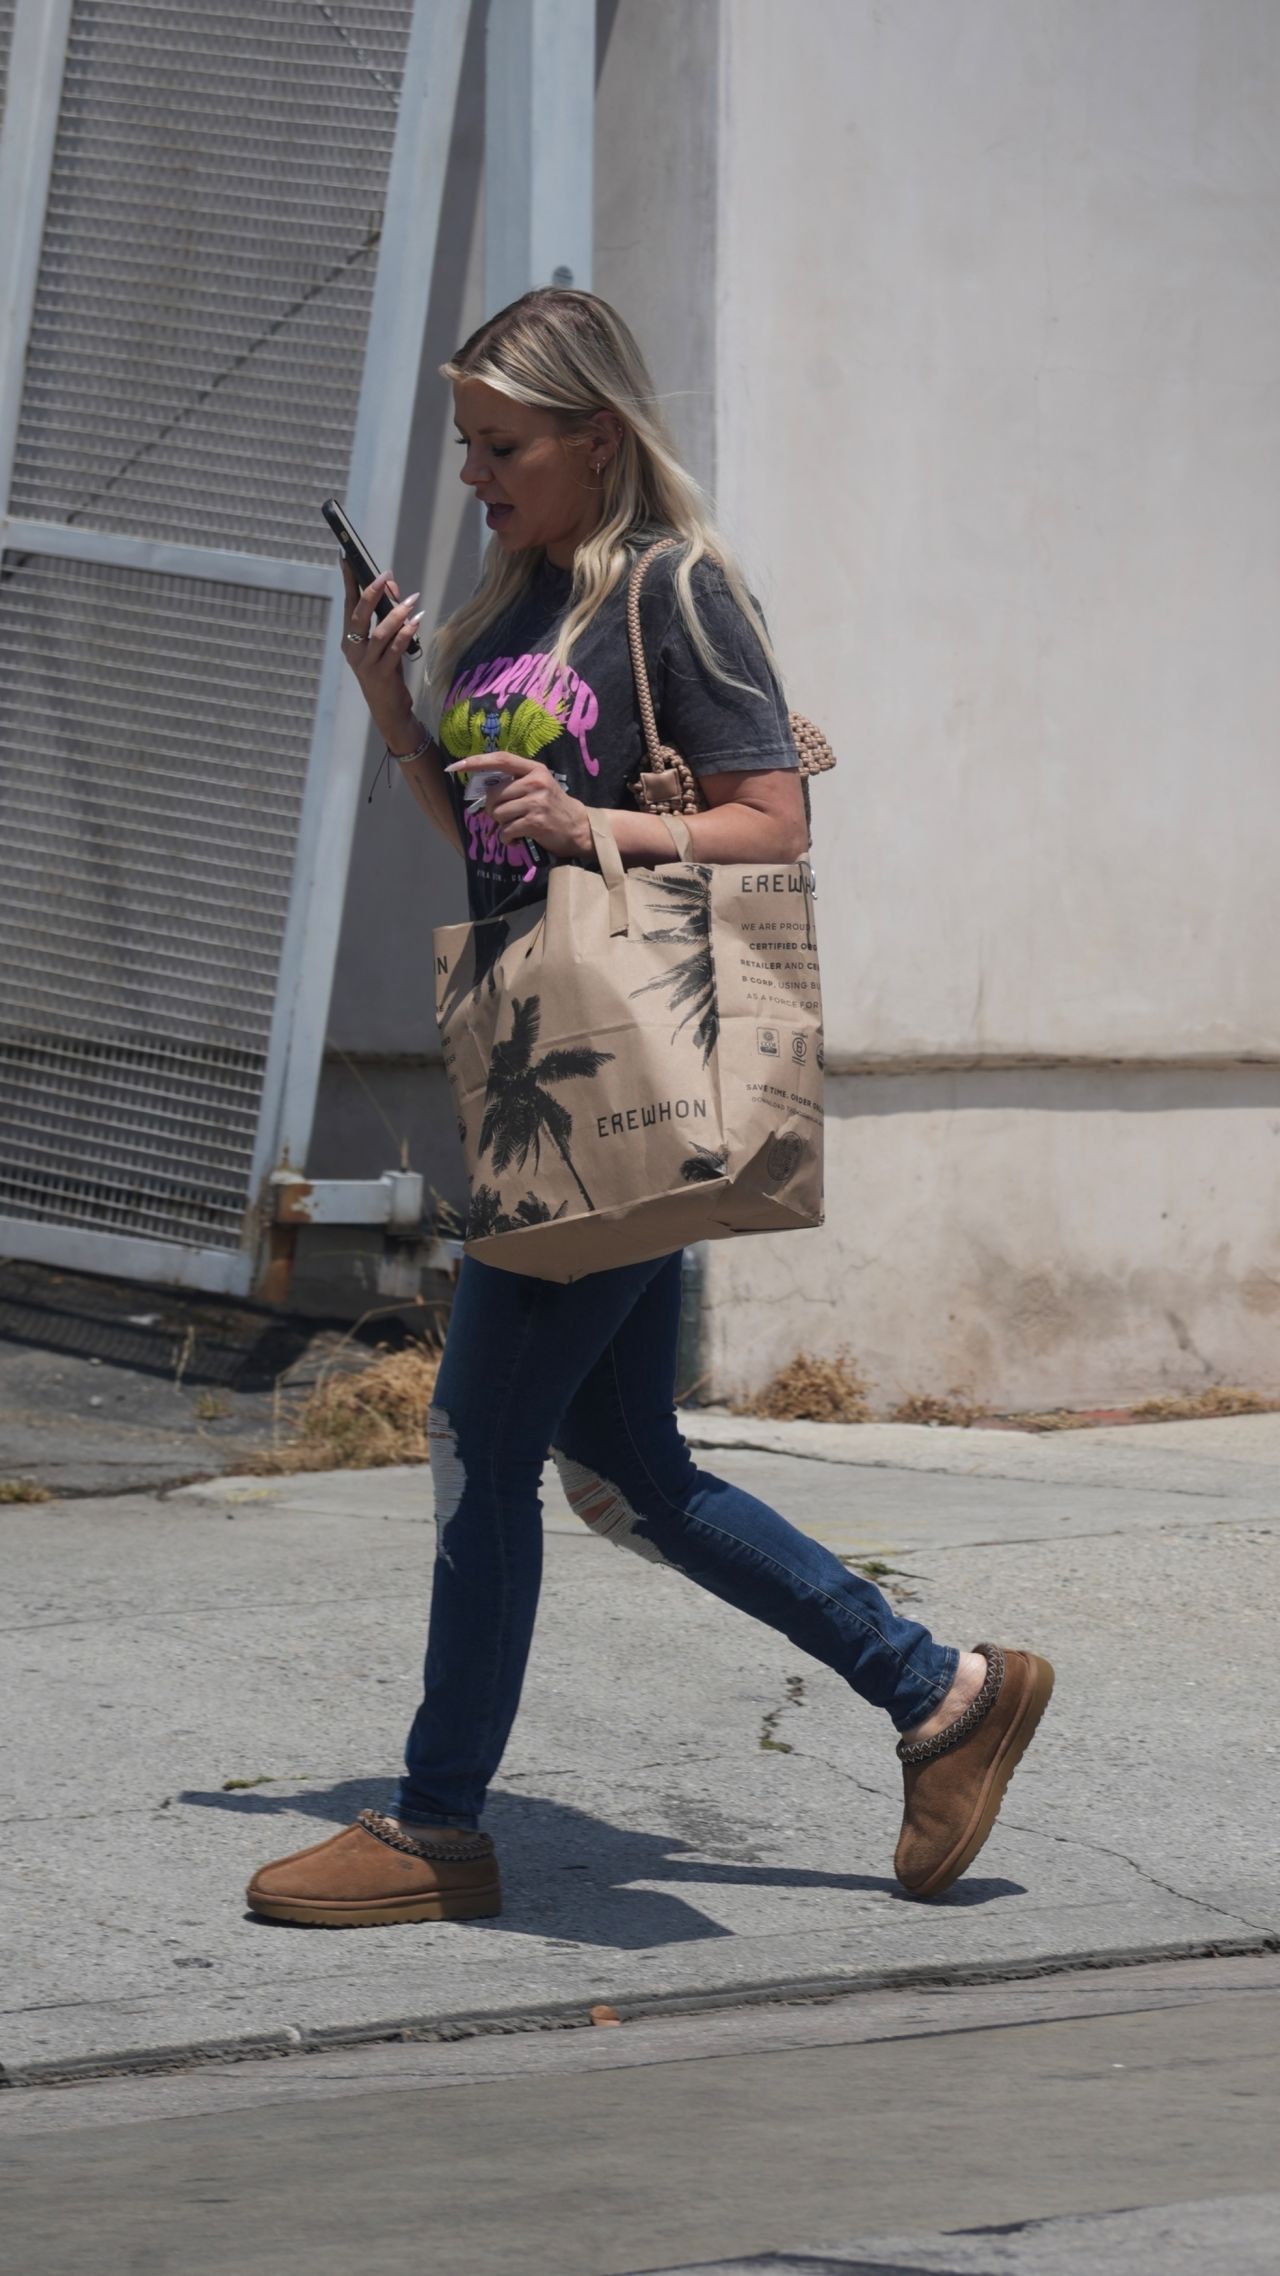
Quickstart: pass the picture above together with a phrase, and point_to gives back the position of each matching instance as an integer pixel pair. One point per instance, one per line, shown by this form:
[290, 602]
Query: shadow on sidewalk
[567, 1875]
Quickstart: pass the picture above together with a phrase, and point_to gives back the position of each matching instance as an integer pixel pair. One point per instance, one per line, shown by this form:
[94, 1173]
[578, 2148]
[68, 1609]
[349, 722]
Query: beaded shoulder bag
[667, 785]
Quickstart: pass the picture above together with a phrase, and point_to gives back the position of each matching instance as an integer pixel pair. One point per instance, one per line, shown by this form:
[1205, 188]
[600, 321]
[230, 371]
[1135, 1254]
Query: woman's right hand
[375, 650]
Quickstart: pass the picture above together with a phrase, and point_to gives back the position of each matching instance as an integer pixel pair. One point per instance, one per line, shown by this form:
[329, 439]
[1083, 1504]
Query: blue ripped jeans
[588, 1371]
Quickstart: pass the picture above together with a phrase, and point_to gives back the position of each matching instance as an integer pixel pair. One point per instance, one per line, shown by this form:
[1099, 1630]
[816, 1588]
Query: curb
[574, 2015]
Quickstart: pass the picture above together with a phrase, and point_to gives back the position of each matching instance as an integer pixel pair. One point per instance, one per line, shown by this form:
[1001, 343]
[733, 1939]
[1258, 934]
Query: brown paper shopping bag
[637, 1063]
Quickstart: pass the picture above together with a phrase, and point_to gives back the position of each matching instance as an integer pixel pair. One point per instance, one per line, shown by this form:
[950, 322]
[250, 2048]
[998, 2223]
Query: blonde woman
[564, 446]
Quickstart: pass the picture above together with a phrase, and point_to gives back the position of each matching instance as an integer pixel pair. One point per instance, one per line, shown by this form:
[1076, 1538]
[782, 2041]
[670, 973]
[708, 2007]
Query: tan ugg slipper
[954, 1783]
[371, 1875]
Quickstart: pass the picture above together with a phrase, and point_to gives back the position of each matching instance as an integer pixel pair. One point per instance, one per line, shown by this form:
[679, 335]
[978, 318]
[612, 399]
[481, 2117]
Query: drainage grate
[157, 1333]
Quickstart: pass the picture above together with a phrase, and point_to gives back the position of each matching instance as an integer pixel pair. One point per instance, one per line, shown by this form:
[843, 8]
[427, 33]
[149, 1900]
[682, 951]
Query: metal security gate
[218, 226]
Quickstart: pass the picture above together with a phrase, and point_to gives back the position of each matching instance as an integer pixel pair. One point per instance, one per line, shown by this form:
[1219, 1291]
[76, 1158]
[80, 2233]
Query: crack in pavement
[159, 1614]
[1202, 1492]
[574, 1769]
[1104, 1849]
[1080, 1842]
[139, 1808]
[768, 1741]
[840, 1770]
[303, 1781]
[1052, 1540]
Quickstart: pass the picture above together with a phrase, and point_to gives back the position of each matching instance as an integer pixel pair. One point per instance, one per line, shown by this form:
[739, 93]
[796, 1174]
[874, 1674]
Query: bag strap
[639, 664]
[670, 782]
[610, 864]
[613, 870]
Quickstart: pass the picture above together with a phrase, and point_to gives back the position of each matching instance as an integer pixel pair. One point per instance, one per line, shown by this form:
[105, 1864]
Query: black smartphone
[363, 566]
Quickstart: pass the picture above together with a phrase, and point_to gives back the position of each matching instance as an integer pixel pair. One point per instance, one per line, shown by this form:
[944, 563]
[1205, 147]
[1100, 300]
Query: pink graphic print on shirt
[521, 704]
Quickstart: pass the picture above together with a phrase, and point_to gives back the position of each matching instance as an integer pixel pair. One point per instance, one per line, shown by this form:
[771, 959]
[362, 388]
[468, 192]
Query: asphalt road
[886, 2124]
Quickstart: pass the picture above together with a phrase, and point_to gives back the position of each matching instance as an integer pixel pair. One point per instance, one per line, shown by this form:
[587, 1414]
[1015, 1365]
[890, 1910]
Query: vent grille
[207, 267]
[154, 734]
[6, 41]
[201, 313]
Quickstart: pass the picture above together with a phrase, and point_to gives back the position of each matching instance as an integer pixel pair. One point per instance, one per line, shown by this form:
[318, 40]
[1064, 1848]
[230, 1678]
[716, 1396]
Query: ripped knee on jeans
[604, 1508]
[448, 1474]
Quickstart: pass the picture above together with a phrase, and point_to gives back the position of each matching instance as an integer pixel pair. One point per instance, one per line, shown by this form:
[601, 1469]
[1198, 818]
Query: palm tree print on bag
[810, 935]
[486, 1214]
[703, 1163]
[693, 980]
[490, 939]
[519, 1112]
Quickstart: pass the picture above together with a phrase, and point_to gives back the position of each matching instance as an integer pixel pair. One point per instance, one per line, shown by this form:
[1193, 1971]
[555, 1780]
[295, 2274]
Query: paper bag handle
[679, 832]
[611, 865]
[611, 869]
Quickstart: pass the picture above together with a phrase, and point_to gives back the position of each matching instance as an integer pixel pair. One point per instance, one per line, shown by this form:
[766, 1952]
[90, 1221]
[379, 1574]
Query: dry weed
[1053, 1418]
[23, 1490]
[1198, 1406]
[1170, 1406]
[808, 1389]
[954, 1407]
[362, 1418]
[888, 1578]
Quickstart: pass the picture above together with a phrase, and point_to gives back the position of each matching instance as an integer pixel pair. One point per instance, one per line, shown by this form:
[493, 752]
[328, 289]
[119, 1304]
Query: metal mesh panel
[207, 267]
[6, 38]
[154, 734]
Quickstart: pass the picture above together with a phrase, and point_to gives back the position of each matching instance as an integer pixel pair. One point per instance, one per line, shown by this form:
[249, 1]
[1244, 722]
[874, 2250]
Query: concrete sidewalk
[690, 1810]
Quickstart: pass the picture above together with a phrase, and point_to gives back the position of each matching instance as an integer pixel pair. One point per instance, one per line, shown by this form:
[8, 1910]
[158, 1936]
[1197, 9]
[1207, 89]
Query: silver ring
[356, 639]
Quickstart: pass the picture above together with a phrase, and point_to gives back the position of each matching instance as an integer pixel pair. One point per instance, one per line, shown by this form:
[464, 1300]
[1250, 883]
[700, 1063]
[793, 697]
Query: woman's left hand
[533, 806]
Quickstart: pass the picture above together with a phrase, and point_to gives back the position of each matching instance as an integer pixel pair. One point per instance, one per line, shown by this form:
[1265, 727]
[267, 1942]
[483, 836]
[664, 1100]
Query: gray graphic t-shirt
[584, 722]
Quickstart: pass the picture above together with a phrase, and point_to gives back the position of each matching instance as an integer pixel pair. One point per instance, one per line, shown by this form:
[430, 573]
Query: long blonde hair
[570, 353]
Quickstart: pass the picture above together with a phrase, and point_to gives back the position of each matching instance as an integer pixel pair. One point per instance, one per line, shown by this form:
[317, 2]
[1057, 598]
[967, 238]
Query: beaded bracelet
[405, 758]
[402, 758]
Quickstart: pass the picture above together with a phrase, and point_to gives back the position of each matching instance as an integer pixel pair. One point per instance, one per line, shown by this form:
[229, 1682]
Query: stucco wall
[998, 431]
[1006, 452]
[1033, 1237]
[657, 101]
